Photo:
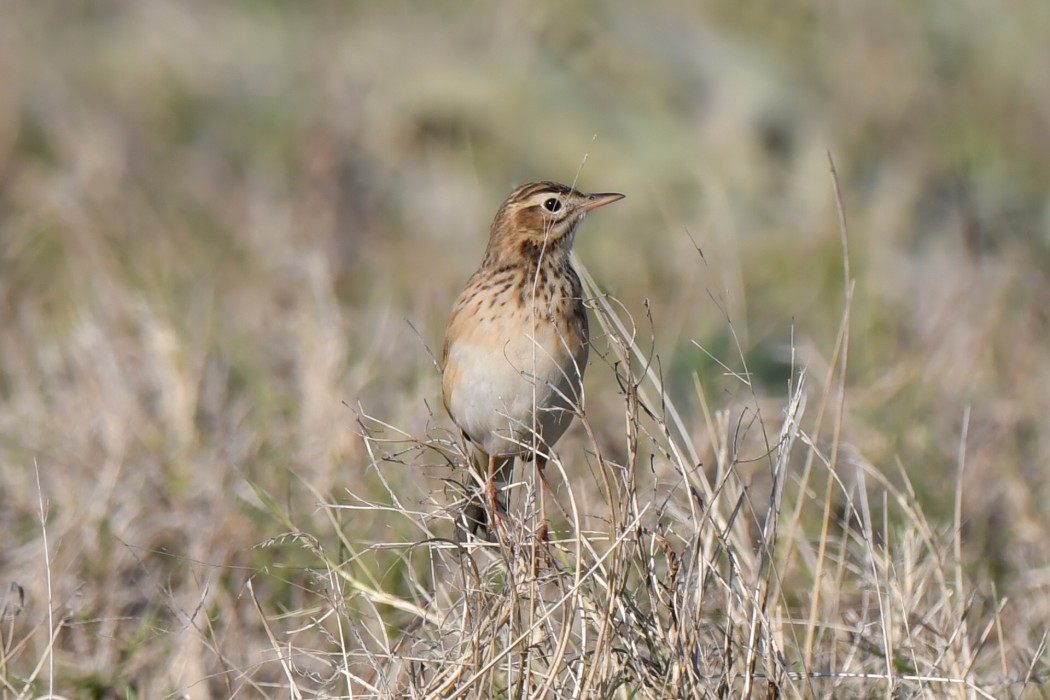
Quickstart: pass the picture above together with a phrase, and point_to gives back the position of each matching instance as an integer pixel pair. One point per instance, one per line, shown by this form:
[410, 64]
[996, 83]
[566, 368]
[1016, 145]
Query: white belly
[509, 397]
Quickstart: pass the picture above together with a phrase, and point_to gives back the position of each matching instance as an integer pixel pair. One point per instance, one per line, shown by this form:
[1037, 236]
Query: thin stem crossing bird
[516, 343]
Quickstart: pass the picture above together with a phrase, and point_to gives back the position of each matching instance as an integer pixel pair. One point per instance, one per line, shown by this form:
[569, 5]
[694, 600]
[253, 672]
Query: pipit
[516, 343]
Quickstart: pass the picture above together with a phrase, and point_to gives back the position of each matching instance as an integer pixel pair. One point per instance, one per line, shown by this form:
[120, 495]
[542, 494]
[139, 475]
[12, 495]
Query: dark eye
[552, 205]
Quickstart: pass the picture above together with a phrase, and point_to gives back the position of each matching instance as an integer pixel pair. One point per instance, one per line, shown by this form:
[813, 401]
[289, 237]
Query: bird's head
[542, 217]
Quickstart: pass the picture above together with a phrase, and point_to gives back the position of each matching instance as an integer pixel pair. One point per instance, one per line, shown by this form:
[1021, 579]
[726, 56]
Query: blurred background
[230, 231]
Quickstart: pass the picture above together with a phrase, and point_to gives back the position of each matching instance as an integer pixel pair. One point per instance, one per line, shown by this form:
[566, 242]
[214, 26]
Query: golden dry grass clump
[812, 458]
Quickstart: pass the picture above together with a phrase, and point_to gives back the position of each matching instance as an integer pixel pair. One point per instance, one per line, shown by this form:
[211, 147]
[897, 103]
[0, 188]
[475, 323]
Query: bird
[517, 340]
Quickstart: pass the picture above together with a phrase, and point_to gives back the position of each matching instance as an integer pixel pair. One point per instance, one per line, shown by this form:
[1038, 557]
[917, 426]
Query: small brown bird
[516, 343]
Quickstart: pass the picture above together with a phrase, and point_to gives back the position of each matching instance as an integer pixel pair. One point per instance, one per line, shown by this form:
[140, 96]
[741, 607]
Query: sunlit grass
[228, 235]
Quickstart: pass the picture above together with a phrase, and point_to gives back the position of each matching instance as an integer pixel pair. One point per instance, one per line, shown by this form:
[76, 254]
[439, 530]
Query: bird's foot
[497, 527]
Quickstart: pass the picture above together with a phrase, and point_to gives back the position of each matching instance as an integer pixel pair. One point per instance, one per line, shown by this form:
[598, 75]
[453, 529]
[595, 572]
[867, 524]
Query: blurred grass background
[218, 221]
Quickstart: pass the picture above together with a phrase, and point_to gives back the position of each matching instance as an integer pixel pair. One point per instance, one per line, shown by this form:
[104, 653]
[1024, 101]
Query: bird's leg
[541, 543]
[492, 500]
[541, 465]
[490, 484]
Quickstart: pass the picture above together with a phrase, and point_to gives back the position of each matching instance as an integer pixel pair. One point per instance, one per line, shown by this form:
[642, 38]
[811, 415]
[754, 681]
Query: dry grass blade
[215, 219]
[293, 686]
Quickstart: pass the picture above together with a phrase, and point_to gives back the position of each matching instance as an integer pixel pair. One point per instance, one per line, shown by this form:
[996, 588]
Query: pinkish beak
[599, 200]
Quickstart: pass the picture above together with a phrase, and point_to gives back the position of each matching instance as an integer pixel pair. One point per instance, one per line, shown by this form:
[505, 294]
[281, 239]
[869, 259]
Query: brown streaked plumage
[516, 343]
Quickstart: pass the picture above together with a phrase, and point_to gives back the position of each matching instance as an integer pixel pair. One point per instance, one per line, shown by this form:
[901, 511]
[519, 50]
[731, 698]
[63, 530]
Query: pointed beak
[599, 200]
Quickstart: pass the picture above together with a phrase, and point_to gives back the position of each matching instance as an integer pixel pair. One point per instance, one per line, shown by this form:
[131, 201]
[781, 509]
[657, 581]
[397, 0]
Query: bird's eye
[552, 205]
